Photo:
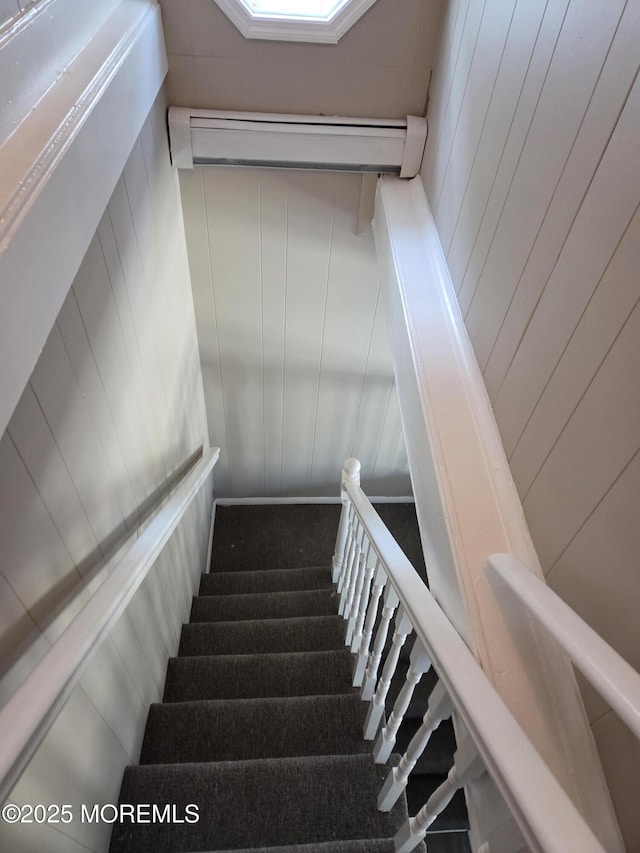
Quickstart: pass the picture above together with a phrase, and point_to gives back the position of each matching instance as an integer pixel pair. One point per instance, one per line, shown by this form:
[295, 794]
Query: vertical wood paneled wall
[113, 408]
[292, 331]
[532, 170]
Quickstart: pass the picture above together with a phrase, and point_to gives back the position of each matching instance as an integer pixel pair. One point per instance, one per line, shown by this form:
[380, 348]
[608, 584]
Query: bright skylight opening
[295, 8]
[322, 21]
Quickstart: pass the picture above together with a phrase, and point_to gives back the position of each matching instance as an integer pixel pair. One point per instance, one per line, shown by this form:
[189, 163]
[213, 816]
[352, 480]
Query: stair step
[297, 634]
[285, 536]
[274, 580]
[362, 845]
[256, 676]
[273, 801]
[242, 729]
[263, 605]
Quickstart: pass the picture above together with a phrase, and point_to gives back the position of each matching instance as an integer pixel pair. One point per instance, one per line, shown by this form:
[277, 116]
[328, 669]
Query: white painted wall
[380, 67]
[112, 409]
[292, 331]
[532, 170]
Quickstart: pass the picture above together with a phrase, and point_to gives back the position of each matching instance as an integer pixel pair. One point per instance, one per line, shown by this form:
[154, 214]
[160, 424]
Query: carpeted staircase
[260, 727]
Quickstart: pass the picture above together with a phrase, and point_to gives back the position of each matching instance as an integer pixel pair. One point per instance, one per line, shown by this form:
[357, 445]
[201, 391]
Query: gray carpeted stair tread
[256, 676]
[274, 580]
[263, 605]
[273, 536]
[362, 845]
[242, 729]
[296, 634]
[283, 801]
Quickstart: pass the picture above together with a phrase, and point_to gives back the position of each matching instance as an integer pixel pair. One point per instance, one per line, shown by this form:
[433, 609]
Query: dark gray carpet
[278, 580]
[275, 801]
[241, 729]
[366, 845]
[260, 726]
[291, 536]
[264, 605]
[256, 676]
[300, 634]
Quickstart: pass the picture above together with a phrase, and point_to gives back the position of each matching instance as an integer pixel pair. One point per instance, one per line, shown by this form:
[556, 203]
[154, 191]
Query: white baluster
[391, 601]
[379, 580]
[352, 568]
[438, 710]
[366, 550]
[376, 707]
[419, 663]
[350, 474]
[350, 545]
[358, 567]
[358, 619]
[467, 765]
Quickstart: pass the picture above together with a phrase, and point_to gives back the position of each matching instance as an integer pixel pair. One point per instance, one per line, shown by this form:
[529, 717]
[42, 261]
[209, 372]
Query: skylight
[294, 20]
[295, 8]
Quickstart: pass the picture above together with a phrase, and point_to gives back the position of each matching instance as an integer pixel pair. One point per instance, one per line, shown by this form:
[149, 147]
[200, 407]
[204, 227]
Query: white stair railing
[368, 561]
[33, 708]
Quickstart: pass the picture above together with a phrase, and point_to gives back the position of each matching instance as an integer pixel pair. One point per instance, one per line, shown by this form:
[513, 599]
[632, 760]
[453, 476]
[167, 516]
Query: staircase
[260, 727]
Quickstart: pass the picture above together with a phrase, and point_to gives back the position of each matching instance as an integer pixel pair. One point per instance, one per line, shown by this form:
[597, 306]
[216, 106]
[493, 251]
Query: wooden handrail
[547, 818]
[614, 679]
[29, 714]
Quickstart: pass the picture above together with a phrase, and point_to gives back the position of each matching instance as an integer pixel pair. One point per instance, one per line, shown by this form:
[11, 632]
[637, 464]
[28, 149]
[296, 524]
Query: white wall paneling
[113, 408]
[292, 333]
[113, 65]
[467, 504]
[535, 185]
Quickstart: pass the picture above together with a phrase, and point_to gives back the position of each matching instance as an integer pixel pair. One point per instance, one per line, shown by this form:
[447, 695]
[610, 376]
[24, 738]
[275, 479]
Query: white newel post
[439, 709]
[376, 707]
[350, 474]
[419, 663]
[467, 765]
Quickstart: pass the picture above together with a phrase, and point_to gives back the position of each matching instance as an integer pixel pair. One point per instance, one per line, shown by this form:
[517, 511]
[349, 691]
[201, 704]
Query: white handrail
[31, 711]
[547, 818]
[610, 674]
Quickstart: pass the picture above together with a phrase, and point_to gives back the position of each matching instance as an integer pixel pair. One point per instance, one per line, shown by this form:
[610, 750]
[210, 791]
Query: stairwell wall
[112, 411]
[292, 331]
[532, 171]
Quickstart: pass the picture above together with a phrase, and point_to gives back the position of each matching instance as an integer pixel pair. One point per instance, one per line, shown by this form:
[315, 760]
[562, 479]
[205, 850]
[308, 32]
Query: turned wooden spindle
[379, 580]
[439, 709]
[391, 601]
[419, 663]
[376, 707]
[467, 765]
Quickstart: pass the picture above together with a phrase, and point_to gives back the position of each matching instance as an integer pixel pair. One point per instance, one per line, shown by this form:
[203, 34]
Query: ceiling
[380, 68]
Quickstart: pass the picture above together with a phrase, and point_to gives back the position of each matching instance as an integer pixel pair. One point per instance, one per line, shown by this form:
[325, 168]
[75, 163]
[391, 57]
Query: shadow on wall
[22, 633]
[301, 422]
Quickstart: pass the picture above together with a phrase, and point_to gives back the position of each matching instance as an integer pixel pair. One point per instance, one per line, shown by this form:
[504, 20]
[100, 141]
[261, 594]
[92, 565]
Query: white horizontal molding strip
[33, 708]
[329, 30]
[466, 501]
[57, 172]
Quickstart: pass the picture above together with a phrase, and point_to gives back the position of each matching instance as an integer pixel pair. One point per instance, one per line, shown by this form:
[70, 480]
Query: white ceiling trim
[284, 28]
